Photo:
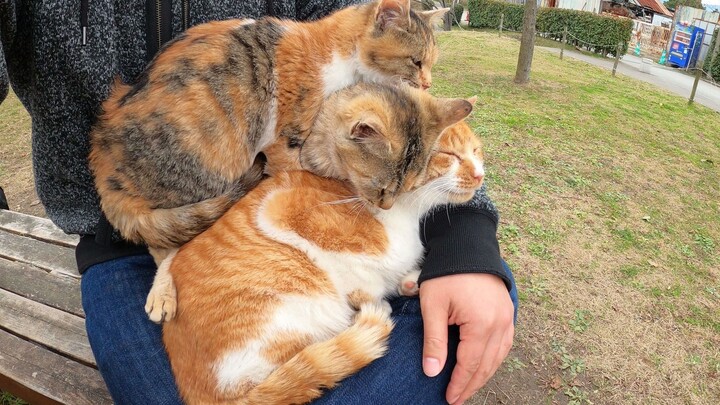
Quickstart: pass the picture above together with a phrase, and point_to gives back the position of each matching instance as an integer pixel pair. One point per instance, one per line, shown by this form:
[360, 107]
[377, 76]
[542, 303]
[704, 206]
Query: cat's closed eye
[451, 154]
[416, 62]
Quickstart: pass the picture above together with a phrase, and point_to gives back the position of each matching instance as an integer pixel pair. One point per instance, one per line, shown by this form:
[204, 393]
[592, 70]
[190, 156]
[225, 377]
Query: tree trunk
[527, 43]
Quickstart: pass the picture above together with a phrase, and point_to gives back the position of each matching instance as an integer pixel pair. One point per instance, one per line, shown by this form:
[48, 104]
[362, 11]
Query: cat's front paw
[161, 303]
[409, 286]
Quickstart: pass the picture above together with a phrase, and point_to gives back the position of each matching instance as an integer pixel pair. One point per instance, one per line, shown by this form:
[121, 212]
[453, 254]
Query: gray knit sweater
[61, 57]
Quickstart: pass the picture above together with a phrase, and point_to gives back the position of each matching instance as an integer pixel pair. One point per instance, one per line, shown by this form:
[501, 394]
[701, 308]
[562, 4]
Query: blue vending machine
[685, 46]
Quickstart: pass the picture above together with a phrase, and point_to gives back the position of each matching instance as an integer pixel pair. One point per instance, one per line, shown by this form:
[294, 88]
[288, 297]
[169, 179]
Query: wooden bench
[45, 357]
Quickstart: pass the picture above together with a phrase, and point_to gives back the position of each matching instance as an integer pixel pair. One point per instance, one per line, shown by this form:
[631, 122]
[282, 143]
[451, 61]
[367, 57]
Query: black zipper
[158, 27]
[84, 20]
[186, 14]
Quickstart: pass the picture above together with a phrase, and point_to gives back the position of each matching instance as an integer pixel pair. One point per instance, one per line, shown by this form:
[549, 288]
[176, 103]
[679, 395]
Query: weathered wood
[42, 377]
[38, 228]
[57, 291]
[63, 332]
[54, 258]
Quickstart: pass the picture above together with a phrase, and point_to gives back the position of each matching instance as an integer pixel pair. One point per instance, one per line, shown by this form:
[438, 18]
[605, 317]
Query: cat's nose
[426, 85]
[386, 203]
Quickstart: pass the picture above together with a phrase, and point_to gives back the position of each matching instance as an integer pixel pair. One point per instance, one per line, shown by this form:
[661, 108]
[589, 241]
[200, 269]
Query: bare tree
[527, 43]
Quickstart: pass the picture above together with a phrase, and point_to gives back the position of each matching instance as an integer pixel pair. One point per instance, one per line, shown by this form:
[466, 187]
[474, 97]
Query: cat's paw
[161, 303]
[409, 286]
[376, 312]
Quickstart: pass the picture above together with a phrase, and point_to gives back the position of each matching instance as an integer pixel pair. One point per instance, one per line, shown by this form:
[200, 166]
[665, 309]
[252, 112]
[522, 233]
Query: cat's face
[400, 44]
[456, 169]
[392, 134]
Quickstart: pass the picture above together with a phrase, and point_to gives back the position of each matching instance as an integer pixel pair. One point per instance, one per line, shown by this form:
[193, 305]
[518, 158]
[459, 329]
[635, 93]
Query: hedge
[713, 65]
[601, 32]
[457, 13]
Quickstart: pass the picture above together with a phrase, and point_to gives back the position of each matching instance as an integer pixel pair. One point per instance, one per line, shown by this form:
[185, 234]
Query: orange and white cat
[284, 295]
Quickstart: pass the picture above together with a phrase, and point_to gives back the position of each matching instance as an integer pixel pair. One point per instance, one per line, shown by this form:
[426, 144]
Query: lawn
[608, 191]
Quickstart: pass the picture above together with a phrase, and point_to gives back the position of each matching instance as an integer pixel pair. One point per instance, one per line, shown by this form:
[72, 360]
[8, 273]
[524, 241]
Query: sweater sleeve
[462, 239]
[7, 33]
[315, 9]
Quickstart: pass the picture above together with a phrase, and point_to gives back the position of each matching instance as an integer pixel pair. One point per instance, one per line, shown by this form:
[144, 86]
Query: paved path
[663, 77]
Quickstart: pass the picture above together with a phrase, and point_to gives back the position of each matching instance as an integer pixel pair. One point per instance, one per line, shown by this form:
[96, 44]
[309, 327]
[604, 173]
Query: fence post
[502, 17]
[698, 73]
[617, 57]
[564, 42]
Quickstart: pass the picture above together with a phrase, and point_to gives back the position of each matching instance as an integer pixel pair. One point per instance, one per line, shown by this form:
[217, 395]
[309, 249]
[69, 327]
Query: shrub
[457, 13]
[596, 33]
[712, 65]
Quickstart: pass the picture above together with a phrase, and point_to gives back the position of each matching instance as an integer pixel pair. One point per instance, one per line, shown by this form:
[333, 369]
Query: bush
[596, 33]
[457, 13]
[712, 65]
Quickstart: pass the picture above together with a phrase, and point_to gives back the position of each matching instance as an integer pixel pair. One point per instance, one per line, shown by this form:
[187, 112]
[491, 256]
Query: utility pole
[527, 43]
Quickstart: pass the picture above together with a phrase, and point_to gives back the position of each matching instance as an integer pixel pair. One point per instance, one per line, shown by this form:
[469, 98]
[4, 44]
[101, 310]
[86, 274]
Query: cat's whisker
[344, 201]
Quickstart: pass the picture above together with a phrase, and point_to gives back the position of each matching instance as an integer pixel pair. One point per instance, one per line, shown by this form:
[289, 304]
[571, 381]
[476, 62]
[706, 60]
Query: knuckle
[472, 365]
[434, 342]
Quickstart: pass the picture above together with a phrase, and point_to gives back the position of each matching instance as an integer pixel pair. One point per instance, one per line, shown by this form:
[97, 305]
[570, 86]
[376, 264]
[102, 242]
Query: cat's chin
[460, 196]
[411, 83]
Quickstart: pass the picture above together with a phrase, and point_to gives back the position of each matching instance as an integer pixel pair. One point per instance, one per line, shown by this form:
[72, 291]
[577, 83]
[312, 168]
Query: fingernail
[454, 400]
[431, 366]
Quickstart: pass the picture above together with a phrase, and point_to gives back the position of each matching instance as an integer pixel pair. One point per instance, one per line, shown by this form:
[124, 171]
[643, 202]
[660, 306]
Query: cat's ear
[370, 134]
[364, 132]
[472, 100]
[392, 13]
[434, 17]
[453, 110]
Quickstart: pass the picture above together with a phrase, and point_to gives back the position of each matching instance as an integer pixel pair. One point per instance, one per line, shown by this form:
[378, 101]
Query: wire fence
[699, 71]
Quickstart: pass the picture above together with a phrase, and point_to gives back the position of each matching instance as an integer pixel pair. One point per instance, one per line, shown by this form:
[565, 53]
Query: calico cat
[378, 136]
[283, 296]
[175, 150]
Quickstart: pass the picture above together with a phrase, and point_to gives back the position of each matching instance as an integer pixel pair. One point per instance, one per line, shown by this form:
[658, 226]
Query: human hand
[480, 305]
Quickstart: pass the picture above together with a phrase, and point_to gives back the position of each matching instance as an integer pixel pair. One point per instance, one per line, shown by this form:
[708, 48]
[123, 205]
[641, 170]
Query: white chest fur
[377, 275]
[343, 72]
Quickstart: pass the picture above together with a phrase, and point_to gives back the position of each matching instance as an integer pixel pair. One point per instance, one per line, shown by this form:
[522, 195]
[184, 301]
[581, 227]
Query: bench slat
[48, 326]
[57, 291]
[53, 258]
[42, 377]
[39, 228]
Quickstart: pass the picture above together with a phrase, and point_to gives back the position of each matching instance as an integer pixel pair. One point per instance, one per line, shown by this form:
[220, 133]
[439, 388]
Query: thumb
[435, 325]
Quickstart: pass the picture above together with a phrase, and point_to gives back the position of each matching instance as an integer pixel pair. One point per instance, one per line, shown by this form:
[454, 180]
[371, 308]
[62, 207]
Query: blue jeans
[132, 360]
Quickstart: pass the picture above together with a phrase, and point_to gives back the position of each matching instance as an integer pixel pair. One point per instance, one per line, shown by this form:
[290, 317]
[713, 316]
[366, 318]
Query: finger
[482, 376]
[469, 360]
[488, 364]
[435, 327]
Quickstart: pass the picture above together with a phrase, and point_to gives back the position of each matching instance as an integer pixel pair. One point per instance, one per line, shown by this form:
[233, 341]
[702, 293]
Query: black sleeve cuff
[461, 241]
[89, 251]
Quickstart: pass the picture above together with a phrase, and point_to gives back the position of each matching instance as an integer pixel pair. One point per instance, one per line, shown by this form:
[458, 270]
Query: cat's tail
[322, 365]
[167, 228]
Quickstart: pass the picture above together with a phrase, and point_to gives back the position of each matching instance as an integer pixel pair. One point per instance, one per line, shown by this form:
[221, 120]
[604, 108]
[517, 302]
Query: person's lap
[130, 356]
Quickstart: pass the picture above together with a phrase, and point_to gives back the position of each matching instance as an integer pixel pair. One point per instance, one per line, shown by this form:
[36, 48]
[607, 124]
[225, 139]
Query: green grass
[608, 193]
[610, 218]
[8, 399]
